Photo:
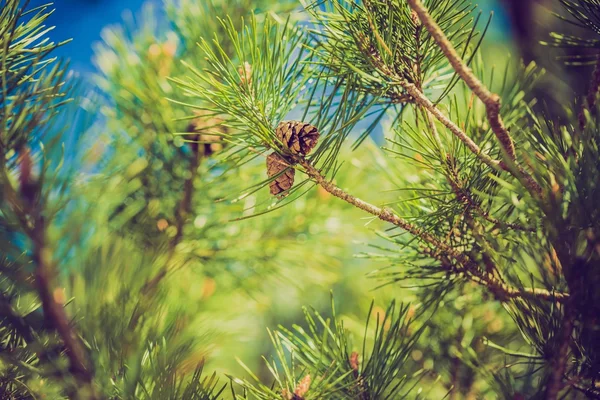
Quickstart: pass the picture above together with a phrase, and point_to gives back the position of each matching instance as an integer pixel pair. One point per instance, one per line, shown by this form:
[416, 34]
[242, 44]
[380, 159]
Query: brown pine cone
[298, 137]
[205, 125]
[284, 181]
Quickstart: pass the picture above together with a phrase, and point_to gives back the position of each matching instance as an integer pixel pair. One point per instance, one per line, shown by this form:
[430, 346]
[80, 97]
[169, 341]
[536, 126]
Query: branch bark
[54, 311]
[25, 204]
[489, 99]
[467, 265]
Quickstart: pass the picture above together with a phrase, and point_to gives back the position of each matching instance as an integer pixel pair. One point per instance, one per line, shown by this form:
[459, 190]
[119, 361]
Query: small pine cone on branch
[297, 137]
[278, 167]
[205, 125]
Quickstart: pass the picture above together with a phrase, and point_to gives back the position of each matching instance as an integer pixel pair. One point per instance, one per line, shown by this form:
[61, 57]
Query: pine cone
[205, 125]
[284, 181]
[298, 137]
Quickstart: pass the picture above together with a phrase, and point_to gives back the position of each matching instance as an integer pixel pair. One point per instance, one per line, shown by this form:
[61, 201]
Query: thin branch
[489, 99]
[423, 101]
[500, 289]
[417, 96]
[27, 209]
[464, 195]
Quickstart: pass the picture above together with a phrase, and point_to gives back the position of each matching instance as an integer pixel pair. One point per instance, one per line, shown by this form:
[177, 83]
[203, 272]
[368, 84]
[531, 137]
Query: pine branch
[54, 311]
[489, 99]
[464, 195]
[499, 288]
[27, 208]
[417, 96]
[423, 101]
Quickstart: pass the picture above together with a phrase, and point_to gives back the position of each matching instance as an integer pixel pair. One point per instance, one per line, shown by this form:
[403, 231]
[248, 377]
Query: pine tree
[130, 253]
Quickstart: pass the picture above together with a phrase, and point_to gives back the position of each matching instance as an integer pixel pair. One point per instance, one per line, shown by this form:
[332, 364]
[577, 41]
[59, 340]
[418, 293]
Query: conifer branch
[423, 101]
[442, 252]
[53, 310]
[417, 96]
[464, 195]
[26, 207]
[489, 99]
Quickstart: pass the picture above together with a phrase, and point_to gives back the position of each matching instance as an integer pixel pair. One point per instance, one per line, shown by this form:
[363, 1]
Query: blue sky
[83, 21]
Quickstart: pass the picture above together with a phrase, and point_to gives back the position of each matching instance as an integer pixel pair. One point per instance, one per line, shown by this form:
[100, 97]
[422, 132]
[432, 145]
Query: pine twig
[489, 99]
[464, 195]
[417, 96]
[423, 101]
[499, 288]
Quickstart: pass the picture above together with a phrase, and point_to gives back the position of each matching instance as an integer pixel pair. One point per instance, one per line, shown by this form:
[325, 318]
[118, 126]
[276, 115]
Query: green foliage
[378, 43]
[323, 352]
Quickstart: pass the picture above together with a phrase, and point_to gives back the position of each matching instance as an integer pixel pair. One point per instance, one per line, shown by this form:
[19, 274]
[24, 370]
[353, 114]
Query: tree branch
[418, 97]
[54, 311]
[489, 99]
[499, 288]
[423, 101]
[27, 208]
